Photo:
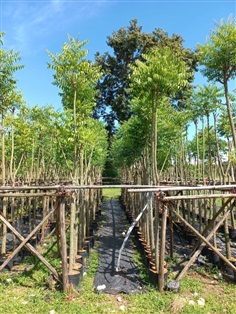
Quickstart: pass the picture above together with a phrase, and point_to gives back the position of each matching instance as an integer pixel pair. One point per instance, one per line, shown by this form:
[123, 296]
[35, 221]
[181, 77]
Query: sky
[34, 26]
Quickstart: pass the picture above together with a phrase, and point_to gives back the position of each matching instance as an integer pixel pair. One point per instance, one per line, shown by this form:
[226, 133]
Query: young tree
[218, 58]
[204, 101]
[10, 97]
[77, 78]
[155, 81]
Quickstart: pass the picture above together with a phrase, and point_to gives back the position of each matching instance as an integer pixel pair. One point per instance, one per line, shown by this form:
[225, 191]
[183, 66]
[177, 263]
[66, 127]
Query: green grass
[111, 193]
[28, 292]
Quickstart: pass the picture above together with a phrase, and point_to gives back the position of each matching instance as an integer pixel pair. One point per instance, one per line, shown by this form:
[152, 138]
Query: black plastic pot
[232, 233]
[9, 265]
[213, 257]
[74, 278]
[84, 255]
[91, 241]
[153, 276]
[228, 271]
[191, 238]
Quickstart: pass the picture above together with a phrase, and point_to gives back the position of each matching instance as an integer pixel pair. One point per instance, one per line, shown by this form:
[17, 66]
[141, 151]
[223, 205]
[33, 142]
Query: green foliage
[129, 44]
[209, 139]
[111, 193]
[72, 72]
[218, 55]
[128, 142]
[77, 79]
[223, 126]
[204, 101]
[9, 95]
[161, 73]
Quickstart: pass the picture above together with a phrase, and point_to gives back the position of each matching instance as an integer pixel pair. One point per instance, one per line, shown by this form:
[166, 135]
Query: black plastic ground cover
[107, 279]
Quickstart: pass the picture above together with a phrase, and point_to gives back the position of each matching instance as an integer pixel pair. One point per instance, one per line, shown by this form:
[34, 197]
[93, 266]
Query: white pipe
[130, 230]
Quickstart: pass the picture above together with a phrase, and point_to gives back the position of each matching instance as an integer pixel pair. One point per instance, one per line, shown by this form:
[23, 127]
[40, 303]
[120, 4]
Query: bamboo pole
[26, 195]
[131, 188]
[162, 250]
[171, 236]
[195, 197]
[4, 228]
[62, 228]
[136, 189]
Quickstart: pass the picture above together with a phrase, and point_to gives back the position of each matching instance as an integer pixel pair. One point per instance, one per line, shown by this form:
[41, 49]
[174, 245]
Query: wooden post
[24, 241]
[31, 248]
[162, 250]
[211, 223]
[204, 240]
[197, 253]
[171, 235]
[62, 229]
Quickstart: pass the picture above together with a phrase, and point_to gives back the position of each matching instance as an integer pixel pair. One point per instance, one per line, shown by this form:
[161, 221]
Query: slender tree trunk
[209, 147]
[197, 144]
[229, 110]
[154, 142]
[12, 152]
[75, 172]
[3, 151]
[4, 205]
[203, 151]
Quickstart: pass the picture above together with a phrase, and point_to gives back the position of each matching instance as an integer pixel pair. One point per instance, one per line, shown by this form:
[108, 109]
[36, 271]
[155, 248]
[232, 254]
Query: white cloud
[29, 24]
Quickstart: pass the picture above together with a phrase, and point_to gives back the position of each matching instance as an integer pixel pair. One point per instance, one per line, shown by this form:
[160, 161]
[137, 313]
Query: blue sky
[34, 26]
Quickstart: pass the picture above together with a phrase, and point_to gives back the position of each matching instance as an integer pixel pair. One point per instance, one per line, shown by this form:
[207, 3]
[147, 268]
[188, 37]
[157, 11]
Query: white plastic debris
[201, 302]
[122, 308]
[101, 287]
[8, 280]
[24, 302]
[52, 312]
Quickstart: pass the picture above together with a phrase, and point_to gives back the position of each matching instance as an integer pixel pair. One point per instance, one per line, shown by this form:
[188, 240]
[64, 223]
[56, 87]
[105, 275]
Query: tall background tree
[218, 58]
[77, 79]
[128, 45]
[10, 97]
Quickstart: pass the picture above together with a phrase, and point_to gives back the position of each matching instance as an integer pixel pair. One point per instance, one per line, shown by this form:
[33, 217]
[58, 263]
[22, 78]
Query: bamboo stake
[4, 228]
[157, 236]
[232, 219]
[227, 240]
[162, 250]
[62, 229]
[171, 236]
